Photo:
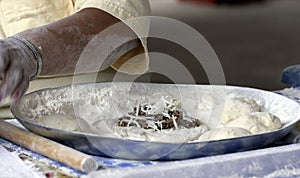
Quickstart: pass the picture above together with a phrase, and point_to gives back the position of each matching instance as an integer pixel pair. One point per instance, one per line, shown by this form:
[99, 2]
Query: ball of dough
[258, 122]
[269, 120]
[65, 122]
[223, 133]
[236, 107]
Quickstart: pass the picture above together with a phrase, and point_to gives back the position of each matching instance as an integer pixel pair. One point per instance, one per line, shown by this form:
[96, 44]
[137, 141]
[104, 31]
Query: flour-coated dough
[236, 107]
[109, 128]
[223, 133]
[257, 122]
[65, 122]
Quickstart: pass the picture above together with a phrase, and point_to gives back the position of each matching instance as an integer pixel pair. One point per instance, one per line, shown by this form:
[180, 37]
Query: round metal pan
[286, 109]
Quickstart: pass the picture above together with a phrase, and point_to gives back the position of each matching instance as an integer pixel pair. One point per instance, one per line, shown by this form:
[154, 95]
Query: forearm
[61, 43]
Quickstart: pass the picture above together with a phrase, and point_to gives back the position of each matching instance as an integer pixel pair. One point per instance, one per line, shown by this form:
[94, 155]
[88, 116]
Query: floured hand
[17, 65]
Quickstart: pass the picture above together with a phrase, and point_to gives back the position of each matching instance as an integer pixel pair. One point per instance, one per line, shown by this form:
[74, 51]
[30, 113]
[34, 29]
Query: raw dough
[257, 122]
[174, 136]
[65, 122]
[101, 108]
[109, 128]
[236, 107]
[241, 117]
[223, 133]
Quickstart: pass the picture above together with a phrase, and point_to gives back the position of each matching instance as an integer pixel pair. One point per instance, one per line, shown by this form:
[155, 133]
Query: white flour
[101, 108]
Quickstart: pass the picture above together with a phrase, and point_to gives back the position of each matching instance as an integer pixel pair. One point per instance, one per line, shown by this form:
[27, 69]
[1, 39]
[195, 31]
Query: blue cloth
[291, 76]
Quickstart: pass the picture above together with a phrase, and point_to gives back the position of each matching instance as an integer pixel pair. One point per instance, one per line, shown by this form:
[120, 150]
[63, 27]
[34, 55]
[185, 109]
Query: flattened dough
[110, 129]
[223, 133]
[65, 122]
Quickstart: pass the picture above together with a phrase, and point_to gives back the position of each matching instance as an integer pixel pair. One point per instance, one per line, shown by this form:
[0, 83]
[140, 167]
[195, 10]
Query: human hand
[17, 65]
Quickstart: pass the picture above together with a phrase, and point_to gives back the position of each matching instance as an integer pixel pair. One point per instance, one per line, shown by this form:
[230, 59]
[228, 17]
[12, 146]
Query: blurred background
[254, 39]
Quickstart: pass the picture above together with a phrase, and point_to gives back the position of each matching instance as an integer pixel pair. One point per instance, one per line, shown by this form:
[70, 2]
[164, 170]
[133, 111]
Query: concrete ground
[254, 42]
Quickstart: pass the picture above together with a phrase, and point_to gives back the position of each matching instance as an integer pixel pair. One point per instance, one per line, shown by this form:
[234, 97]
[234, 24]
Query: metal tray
[286, 109]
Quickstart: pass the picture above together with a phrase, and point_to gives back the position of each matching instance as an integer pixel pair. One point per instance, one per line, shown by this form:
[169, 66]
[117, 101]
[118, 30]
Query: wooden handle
[49, 148]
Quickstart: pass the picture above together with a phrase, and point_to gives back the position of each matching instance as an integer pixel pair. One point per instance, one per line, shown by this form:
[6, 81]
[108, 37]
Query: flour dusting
[101, 108]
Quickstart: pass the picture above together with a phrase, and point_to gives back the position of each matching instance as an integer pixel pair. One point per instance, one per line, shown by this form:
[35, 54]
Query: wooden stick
[49, 148]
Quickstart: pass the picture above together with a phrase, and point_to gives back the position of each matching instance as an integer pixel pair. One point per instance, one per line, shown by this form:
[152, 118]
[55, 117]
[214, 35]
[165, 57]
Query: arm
[63, 41]
[60, 45]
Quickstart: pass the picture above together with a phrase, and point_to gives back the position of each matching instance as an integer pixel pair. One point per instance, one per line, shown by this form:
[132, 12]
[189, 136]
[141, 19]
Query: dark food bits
[161, 121]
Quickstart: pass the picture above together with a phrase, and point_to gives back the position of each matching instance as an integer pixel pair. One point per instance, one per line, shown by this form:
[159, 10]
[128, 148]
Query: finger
[11, 79]
[20, 89]
[4, 62]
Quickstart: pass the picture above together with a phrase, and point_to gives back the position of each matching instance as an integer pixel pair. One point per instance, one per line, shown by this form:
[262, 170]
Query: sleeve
[19, 15]
[125, 10]
[122, 9]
